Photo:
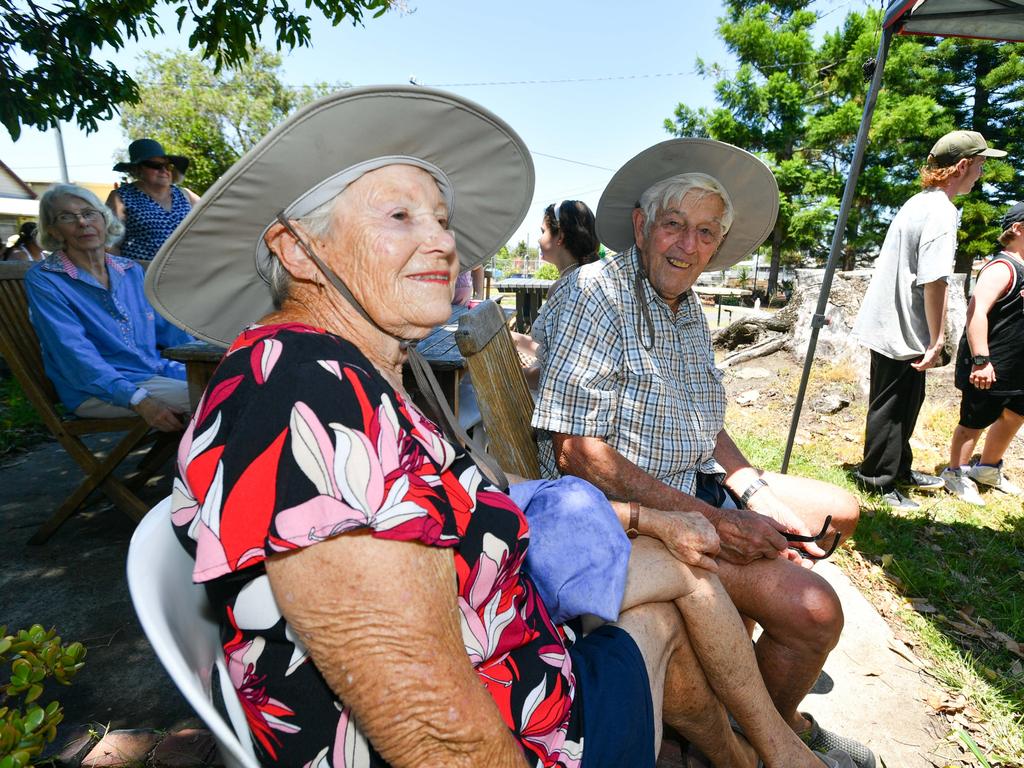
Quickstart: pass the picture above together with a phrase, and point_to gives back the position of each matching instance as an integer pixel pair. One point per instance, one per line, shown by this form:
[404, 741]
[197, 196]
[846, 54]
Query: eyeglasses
[795, 537]
[157, 165]
[708, 234]
[88, 216]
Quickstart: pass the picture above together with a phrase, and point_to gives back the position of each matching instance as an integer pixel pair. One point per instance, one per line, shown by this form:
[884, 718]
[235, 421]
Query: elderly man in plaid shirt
[630, 399]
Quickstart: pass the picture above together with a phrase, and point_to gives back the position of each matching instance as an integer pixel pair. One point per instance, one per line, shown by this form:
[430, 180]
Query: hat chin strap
[645, 309]
[425, 379]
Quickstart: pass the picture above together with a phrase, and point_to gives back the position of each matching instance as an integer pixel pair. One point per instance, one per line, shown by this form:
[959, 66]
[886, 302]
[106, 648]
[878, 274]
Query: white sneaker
[993, 477]
[959, 484]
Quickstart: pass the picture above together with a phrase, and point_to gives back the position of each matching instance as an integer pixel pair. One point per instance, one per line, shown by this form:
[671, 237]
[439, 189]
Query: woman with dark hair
[153, 204]
[23, 246]
[568, 239]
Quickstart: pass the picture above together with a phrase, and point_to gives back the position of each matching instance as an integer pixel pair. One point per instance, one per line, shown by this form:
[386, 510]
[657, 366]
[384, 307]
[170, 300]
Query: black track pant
[895, 399]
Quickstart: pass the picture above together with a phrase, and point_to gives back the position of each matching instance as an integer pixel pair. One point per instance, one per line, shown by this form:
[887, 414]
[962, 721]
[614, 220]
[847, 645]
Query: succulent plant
[33, 656]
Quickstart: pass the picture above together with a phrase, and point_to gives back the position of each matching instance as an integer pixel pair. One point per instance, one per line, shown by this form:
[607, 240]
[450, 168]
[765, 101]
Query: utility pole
[60, 153]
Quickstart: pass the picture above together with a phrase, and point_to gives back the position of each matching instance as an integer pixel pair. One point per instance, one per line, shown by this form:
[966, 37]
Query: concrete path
[76, 583]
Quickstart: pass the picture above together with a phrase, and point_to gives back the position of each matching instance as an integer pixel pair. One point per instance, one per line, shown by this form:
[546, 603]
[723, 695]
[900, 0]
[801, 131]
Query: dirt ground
[770, 400]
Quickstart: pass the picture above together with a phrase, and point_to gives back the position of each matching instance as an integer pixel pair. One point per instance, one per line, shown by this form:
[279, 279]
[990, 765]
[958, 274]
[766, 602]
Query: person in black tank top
[990, 370]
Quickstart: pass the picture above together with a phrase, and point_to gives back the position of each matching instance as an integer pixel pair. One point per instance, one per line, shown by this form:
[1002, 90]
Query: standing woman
[568, 236]
[568, 239]
[153, 204]
[23, 246]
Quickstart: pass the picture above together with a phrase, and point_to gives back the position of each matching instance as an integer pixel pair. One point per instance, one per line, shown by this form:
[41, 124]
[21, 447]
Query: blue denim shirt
[98, 342]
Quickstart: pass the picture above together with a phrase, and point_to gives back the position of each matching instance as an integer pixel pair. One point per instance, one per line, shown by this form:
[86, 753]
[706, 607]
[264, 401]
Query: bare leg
[999, 436]
[713, 664]
[801, 617]
[962, 447]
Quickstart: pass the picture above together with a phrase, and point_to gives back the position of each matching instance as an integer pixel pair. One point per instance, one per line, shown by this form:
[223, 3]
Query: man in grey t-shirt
[902, 319]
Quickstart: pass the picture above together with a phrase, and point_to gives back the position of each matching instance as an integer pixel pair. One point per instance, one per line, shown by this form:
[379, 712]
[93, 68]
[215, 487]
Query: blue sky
[585, 84]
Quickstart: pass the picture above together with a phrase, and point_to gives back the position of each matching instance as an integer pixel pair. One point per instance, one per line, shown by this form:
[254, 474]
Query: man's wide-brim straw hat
[749, 183]
[209, 278]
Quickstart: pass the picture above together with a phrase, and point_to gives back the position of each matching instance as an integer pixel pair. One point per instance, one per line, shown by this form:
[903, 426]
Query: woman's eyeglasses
[156, 165]
[88, 216]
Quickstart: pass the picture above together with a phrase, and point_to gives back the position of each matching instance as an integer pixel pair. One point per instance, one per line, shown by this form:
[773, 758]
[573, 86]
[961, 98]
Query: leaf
[34, 718]
[966, 739]
[886, 560]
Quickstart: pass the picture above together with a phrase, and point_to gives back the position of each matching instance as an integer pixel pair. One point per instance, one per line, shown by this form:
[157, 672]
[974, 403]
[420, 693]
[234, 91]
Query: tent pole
[818, 320]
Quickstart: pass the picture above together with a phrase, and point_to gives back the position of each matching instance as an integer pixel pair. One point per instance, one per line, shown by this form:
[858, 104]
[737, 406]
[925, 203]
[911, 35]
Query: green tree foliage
[763, 105]
[798, 104]
[47, 66]
[981, 85]
[546, 271]
[211, 117]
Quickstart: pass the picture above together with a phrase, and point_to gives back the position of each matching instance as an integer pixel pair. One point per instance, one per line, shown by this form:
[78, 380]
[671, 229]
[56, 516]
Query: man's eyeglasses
[157, 165]
[795, 537]
[88, 216]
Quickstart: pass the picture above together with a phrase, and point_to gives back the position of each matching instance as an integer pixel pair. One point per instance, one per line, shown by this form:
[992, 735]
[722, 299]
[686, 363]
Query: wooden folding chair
[506, 404]
[19, 345]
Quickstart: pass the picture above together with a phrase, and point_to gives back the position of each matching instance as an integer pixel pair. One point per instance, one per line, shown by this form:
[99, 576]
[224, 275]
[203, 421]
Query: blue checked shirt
[661, 409]
[98, 342]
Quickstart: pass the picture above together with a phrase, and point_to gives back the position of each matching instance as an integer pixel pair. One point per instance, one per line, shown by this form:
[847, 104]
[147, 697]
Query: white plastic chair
[181, 627]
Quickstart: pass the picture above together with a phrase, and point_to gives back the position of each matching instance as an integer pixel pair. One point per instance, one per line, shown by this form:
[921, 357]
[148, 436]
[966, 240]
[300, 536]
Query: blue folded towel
[578, 552]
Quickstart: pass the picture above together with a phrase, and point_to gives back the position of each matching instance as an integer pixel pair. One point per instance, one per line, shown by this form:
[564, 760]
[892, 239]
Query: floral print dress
[298, 439]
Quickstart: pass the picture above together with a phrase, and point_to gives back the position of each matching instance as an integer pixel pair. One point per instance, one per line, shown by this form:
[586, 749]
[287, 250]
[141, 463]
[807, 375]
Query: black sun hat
[141, 150]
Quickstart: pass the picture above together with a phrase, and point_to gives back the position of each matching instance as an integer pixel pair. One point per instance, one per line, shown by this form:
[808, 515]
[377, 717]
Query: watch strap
[751, 489]
[634, 520]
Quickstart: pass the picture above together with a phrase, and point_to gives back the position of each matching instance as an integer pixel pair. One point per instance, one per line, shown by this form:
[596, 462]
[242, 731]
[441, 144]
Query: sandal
[836, 758]
[826, 742]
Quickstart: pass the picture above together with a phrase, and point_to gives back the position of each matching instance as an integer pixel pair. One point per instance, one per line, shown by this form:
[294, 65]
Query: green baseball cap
[956, 145]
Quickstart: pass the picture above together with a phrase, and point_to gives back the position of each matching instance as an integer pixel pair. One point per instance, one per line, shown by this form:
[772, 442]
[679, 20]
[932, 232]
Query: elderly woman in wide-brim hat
[367, 572]
[153, 203]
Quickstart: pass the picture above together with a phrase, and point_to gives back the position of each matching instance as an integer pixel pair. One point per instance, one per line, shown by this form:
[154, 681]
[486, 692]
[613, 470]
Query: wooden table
[718, 292]
[438, 348]
[530, 294]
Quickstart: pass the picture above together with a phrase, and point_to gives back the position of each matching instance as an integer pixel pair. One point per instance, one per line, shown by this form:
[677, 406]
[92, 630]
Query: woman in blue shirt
[99, 335]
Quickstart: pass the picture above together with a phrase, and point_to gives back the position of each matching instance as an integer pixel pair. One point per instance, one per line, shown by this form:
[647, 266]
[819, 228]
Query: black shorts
[979, 409]
[618, 715]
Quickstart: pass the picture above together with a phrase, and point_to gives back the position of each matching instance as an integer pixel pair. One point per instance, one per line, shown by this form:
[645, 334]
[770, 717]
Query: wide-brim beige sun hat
[749, 182]
[209, 278]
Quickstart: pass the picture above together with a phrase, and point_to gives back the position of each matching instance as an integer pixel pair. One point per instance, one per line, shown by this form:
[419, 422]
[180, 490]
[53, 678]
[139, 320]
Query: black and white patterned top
[146, 223]
[662, 408]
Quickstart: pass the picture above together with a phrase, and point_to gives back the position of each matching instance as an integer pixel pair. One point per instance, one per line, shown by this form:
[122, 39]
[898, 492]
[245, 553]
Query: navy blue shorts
[618, 716]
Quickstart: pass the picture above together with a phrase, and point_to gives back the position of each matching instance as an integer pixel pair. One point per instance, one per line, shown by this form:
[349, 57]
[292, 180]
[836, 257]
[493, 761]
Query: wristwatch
[980, 359]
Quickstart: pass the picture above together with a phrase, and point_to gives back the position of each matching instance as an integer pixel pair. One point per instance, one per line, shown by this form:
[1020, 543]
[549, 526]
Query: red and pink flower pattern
[299, 439]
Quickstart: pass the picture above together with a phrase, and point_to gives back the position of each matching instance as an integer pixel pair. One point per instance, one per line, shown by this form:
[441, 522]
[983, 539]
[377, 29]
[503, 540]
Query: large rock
[835, 344]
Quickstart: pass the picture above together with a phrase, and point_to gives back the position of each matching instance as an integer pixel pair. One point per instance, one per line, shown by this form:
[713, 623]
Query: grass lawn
[20, 427]
[949, 576]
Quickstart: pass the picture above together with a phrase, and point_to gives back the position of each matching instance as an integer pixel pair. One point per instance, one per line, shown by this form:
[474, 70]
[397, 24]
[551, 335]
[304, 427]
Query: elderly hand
[159, 415]
[767, 504]
[687, 535]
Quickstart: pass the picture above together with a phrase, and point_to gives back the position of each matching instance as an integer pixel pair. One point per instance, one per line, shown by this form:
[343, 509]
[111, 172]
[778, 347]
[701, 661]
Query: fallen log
[761, 349]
